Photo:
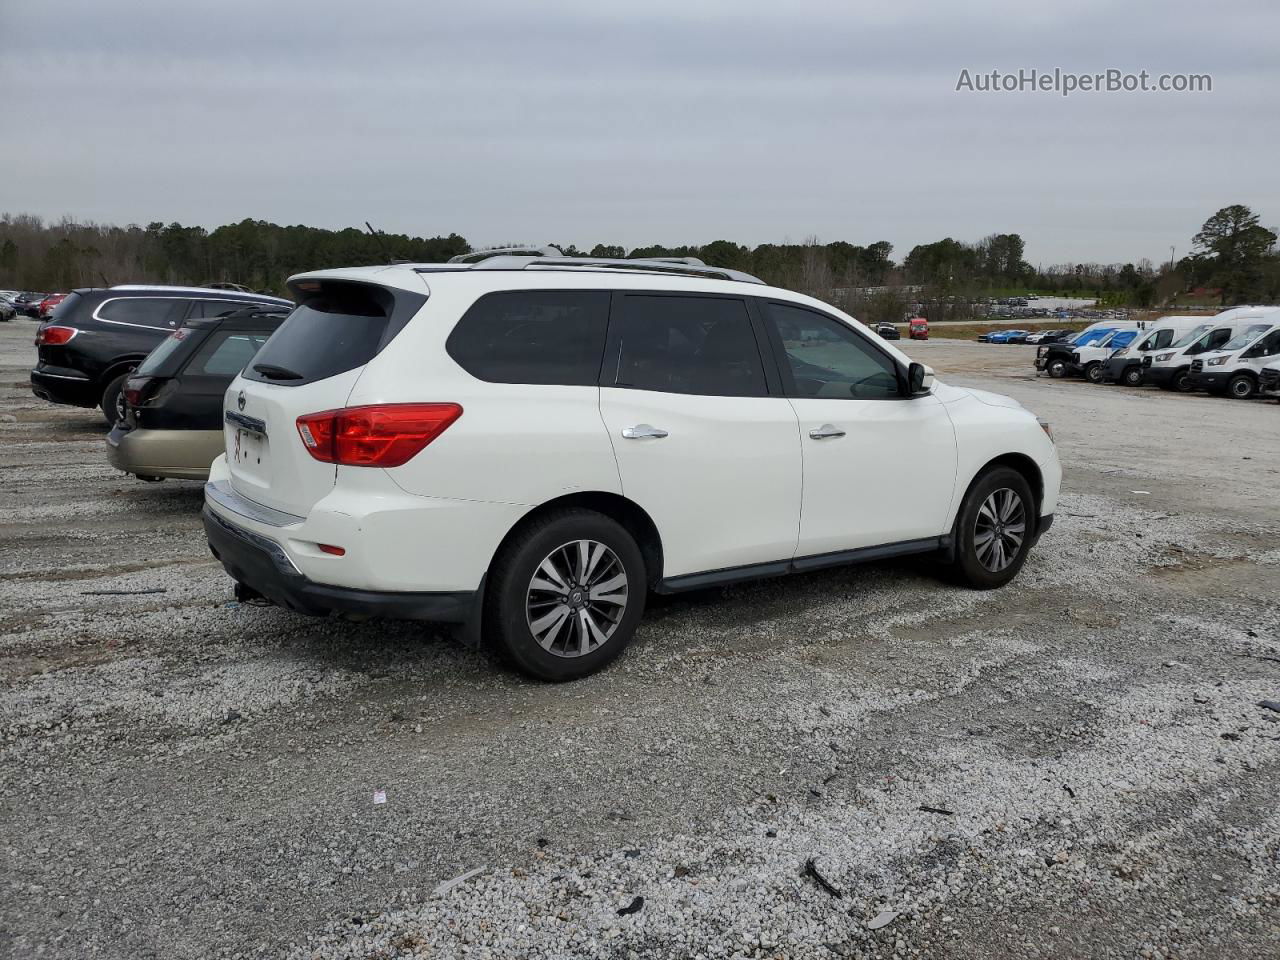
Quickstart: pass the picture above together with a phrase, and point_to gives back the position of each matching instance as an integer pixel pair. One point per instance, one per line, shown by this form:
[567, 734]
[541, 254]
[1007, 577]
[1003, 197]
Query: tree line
[1232, 254]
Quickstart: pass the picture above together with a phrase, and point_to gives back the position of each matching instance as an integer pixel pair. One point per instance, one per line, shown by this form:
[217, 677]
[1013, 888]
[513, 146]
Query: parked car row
[98, 336]
[529, 444]
[1025, 336]
[1235, 353]
[35, 306]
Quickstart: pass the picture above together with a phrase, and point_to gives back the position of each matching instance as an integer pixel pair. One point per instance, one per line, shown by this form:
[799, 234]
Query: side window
[829, 359]
[226, 354]
[533, 336]
[1163, 339]
[1270, 344]
[160, 312]
[697, 345]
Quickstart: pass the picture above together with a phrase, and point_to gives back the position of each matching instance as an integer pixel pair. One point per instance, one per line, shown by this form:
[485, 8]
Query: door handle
[642, 431]
[826, 432]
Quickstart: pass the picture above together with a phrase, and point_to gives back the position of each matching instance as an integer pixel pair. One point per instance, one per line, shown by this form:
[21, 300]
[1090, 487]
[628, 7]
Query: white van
[1236, 369]
[1125, 365]
[1171, 369]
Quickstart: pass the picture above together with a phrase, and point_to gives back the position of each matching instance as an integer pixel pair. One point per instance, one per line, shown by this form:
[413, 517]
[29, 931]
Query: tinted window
[337, 327]
[143, 311]
[1163, 339]
[226, 354]
[829, 359]
[1270, 344]
[156, 358]
[701, 345]
[215, 308]
[528, 336]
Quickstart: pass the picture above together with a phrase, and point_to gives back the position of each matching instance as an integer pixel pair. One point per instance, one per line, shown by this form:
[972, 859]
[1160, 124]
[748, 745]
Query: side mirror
[919, 380]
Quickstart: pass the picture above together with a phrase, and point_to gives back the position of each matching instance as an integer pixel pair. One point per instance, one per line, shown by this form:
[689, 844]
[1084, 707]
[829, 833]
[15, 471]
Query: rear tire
[1242, 387]
[1093, 372]
[556, 612]
[994, 529]
[1132, 377]
[113, 400]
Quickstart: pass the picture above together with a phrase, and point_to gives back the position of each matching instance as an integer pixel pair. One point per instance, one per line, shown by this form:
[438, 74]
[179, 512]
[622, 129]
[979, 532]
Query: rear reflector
[383, 435]
[330, 548]
[54, 336]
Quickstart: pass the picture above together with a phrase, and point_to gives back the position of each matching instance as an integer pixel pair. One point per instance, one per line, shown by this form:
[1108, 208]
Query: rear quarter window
[157, 312]
[533, 336]
[226, 354]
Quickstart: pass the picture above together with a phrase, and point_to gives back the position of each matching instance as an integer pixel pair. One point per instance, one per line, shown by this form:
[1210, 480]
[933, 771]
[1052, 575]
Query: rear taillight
[384, 435]
[54, 336]
[138, 391]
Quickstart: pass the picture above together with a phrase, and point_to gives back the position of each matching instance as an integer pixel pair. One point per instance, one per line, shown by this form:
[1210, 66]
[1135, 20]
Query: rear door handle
[642, 431]
[826, 432]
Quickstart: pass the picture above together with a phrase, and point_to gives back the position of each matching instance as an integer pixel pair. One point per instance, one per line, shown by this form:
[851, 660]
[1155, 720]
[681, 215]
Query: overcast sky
[638, 123]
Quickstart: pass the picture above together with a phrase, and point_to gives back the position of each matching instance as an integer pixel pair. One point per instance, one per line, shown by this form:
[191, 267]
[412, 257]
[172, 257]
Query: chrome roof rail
[479, 256]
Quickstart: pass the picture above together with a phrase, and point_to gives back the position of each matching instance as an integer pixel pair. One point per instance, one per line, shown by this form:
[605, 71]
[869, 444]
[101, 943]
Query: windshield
[1119, 339]
[1193, 335]
[1246, 336]
[1091, 336]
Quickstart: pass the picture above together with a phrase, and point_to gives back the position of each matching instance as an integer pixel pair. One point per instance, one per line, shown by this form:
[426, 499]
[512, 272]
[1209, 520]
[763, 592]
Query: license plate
[249, 447]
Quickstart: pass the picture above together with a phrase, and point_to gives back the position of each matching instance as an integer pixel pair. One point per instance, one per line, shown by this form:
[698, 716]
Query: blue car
[1008, 336]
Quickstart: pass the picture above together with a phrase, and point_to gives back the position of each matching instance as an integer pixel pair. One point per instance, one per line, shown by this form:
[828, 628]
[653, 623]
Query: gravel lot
[183, 777]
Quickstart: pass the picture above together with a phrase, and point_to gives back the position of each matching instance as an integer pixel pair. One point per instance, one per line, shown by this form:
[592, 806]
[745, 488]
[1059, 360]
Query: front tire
[1093, 372]
[1242, 387]
[566, 594]
[1057, 369]
[1132, 377]
[994, 529]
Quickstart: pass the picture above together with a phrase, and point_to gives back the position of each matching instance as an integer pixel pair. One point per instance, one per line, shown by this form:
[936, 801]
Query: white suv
[528, 444]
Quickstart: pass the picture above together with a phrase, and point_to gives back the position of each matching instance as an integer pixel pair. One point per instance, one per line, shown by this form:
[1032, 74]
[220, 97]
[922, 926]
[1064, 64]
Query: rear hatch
[310, 364]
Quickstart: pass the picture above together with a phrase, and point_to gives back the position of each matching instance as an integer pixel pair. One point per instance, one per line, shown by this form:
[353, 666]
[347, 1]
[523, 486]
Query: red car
[918, 328]
[48, 303]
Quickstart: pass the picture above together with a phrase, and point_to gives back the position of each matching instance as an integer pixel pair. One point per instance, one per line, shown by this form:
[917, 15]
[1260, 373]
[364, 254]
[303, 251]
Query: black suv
[96, 337]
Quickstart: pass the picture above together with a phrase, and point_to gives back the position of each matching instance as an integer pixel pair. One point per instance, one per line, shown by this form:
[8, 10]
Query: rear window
[157, 357]
[337, 326]
[533, 336]
[64, 309]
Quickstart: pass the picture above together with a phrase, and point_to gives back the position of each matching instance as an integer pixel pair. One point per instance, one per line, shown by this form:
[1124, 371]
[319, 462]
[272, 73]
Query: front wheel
[994, 529]
[1132, 377]
[1093, 372]
[1242, 386]
[1057, 369]
[566, 594]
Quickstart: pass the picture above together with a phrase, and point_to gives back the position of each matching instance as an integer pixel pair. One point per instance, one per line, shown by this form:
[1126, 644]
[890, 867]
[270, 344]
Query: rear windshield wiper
[271, 371]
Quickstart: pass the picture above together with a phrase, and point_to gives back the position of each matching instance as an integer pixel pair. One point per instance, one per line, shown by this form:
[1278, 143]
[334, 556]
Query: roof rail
[679, 266]
[478, 256]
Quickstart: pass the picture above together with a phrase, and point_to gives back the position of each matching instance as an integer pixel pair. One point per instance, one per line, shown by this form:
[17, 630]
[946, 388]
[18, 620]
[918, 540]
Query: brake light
[139, 390]
[382, 435]
[54, 336]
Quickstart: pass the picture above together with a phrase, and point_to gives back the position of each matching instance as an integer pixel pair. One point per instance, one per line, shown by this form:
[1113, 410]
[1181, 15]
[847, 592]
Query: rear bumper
[175, 454]
[64, 385]
[262, 565]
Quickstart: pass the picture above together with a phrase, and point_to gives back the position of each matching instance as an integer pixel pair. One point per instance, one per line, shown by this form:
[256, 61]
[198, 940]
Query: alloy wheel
[1000, 529]
[576, 598]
